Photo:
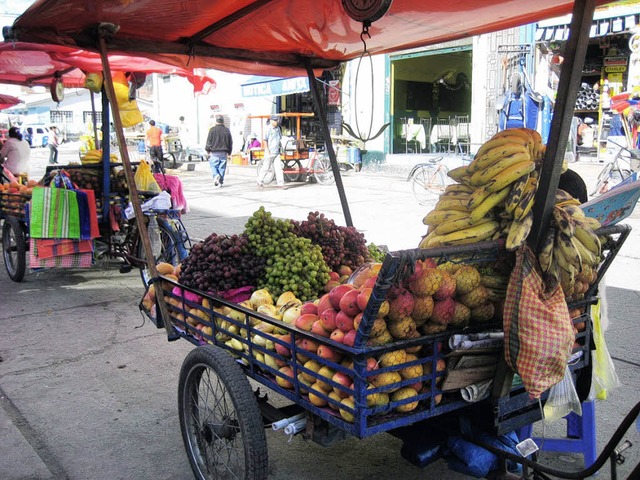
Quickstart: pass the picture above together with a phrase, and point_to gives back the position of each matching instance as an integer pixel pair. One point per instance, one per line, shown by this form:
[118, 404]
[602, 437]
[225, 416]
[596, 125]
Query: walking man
[219, 145]
[272, 150]
[154, 142]
[53, 145]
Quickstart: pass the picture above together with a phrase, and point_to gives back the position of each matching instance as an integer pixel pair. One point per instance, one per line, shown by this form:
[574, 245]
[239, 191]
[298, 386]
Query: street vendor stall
[348, 351]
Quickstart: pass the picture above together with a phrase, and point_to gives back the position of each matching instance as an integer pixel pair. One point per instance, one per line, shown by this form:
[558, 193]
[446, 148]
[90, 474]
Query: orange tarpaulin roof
[268, 37]
[32, 64]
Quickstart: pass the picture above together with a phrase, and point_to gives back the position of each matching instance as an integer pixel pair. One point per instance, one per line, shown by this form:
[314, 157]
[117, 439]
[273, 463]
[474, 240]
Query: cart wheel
[168, 160]
[322, 171]
[166, 251]
[14, 247]
[220, 420]
[292, 170]
[427, 183]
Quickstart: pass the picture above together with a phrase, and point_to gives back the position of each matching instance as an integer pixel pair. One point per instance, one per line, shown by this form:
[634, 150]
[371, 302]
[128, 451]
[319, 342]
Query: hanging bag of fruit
[538, 330]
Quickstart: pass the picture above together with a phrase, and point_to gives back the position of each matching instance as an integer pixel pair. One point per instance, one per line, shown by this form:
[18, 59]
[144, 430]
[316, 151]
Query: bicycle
[612, 173]
[428, 180]
[318, 169]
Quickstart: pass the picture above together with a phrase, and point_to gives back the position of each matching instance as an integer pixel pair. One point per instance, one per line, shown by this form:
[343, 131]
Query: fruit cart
[354, 386]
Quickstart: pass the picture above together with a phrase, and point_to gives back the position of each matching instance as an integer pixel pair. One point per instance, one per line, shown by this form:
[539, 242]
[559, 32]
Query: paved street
[88, 389]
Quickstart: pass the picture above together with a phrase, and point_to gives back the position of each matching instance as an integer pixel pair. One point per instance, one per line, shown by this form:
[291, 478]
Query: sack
[537, 326]
[144, 179]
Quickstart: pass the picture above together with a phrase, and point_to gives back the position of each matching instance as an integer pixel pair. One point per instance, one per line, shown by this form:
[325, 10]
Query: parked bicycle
[428, 180]
[318, 170]
[618, 169]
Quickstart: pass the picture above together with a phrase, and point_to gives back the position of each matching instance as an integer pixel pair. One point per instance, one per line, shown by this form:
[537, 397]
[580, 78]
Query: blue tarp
[273, 86]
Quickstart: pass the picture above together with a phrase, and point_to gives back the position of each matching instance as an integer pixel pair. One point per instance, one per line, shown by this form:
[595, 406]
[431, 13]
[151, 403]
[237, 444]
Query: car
[37, 135]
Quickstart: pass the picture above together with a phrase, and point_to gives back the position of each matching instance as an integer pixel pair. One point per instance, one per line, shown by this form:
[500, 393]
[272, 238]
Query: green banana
[587, 257]
[564, 221]
[515, 194]
[518, 232]
[510, 175]
[526, 202]
[483, 176]
[545, 256]
[585, 235]
[473, 234]
[487, 204]
[436, 217]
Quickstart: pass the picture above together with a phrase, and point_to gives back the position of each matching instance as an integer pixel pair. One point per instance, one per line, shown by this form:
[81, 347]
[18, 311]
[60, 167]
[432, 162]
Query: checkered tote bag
[538, 330]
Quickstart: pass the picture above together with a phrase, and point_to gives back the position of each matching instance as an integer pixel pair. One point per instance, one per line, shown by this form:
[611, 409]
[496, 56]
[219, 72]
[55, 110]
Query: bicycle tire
[292, 170]
[14, 248]
[168, 252]
[602, 180]
[427, 182]
[220, 421]
[168, 160]
[322, 171]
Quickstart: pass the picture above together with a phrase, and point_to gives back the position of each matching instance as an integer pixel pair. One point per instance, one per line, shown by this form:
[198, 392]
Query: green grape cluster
[376, 253]
[292, 264]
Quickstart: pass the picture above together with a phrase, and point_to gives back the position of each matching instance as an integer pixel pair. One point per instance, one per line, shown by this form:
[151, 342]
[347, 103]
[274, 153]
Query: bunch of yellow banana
[571, 251]
[95, 156]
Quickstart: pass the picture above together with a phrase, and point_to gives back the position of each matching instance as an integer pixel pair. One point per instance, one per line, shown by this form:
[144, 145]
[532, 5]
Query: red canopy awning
[31, 64]
[268, 37]
[8, 101]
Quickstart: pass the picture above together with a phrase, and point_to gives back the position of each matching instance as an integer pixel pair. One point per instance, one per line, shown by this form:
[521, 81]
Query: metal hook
[365, 31]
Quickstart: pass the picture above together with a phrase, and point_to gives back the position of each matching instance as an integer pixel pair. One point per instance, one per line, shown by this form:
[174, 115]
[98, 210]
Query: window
[61, 117]
[87, 117]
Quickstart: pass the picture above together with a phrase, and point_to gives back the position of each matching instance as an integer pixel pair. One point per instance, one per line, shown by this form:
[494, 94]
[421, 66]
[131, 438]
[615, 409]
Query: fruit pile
[291, 262]
[340, 245]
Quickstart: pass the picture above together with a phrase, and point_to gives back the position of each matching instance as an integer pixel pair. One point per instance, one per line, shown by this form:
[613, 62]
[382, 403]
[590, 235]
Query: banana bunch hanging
[493, 196]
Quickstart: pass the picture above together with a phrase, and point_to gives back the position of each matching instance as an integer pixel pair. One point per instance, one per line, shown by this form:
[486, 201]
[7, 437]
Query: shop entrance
[431, 101]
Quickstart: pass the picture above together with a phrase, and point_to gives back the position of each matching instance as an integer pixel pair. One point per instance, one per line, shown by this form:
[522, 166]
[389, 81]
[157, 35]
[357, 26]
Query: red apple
[309, 307]
[328, 319]
[350, 338]
[323, 304]
[356, 321]
[337, 335]
[335, 295]
[344, 380]
[363, 298]
[349, 303]
[344, 322]
[305, 322]
[318, 329]
[326, 352]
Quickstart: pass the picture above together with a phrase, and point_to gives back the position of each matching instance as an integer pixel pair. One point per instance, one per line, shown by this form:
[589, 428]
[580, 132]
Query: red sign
[333, 94]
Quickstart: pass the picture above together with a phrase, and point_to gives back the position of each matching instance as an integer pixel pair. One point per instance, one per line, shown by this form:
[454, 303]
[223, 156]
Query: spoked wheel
[292, 170]
[14, 248]
[169, 160]
[165, 249]
[322, 171]
[220, 420]
[427, 183]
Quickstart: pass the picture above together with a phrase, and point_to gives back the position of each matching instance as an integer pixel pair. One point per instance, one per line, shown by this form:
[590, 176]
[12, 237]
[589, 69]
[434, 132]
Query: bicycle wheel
[292, 170]
[602, 181]
[169, 160]
[165, 246]
[270, 176]
[221, 424]
[427, 182]
[322, 171]
[14, 247]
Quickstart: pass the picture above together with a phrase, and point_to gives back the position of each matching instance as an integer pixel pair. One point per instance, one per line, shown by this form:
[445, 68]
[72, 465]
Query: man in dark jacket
[219, 146]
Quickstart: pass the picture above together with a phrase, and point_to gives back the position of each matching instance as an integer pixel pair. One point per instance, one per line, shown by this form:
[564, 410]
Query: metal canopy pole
[568, 86]
[128, 172]
[327, 135]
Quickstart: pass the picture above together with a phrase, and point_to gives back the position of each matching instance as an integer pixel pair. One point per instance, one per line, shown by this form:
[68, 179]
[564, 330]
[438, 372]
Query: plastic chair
[443, 141]
[463, 144]
[426, 124]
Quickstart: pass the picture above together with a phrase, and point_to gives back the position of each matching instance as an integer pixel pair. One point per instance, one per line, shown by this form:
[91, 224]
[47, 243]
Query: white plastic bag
[563, 399]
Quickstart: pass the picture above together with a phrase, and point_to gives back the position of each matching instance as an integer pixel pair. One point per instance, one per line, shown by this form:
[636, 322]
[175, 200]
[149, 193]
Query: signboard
[274, 86]
[615, 69]
[615, 61]
[333, 94]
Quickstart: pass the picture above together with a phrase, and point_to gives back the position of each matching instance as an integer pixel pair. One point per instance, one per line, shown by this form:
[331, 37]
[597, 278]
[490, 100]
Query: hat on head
[274, 117]
[219, 119]
[253, 135]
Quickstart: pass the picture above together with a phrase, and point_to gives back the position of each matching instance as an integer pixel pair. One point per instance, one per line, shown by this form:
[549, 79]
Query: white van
[37, 134]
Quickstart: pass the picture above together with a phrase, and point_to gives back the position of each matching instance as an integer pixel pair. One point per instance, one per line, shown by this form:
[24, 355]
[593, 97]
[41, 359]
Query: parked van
[37, 134]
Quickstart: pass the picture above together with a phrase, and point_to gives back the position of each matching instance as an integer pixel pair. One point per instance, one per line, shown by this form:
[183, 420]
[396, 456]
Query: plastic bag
[563, 399]
[144, 179]
[605, 377]
[129, 112]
